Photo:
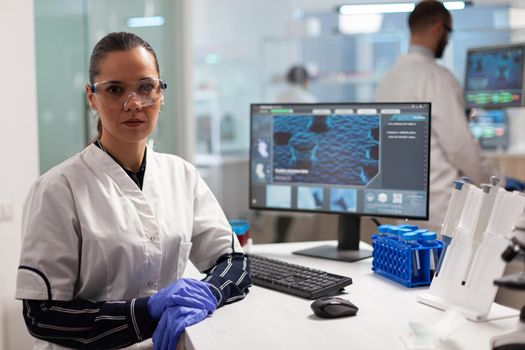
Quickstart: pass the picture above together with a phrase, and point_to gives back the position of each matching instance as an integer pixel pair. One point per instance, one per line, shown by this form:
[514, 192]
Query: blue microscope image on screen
[495, 70]
[342, 199]
[326, 149]
[309, 198]
[279, 196]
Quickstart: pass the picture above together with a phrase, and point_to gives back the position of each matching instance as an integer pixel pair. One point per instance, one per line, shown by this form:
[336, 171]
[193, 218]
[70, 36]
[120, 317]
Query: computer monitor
[350, 159]
[494, 76]
[491, 128]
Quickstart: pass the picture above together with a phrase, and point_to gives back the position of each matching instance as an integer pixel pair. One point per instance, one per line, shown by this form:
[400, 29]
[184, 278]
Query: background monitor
[494, 76]
[491, 128]
[350, 159]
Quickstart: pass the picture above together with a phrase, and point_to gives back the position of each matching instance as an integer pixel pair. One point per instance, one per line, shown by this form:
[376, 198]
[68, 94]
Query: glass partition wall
[66, 32]
[61, 67]
[242, 52]
[220, 56]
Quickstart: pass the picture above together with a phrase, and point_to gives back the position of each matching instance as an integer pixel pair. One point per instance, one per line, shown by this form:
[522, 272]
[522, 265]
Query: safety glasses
[118, 94]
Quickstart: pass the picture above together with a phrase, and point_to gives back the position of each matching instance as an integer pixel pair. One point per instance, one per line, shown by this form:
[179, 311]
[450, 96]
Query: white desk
[267, 319]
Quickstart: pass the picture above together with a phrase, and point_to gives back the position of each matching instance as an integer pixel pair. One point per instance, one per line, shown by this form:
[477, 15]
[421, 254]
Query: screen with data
[494, 76]
[353, 158]
[491, 128]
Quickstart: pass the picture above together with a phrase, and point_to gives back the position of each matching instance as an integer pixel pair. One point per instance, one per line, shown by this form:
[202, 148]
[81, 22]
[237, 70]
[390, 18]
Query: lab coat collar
[425, 51]
[149, 185]
[99, 159]
[105, 164]
[137, 177]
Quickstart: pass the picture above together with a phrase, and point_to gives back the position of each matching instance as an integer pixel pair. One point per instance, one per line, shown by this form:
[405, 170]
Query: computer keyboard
[294, 279]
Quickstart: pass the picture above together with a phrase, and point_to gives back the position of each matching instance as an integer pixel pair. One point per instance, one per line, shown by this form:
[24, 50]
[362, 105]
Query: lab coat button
[153, 238]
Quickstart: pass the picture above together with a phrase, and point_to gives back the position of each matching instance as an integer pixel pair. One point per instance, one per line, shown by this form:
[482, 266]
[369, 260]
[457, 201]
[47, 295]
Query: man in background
[416, 77]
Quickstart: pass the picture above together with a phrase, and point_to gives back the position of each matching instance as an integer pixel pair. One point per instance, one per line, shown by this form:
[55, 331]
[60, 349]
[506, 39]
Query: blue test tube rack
[395, 258]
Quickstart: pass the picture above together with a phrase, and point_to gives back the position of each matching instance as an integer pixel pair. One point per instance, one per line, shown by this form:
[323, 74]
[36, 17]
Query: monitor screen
[490, 127]
[351, 159]
[494, 76]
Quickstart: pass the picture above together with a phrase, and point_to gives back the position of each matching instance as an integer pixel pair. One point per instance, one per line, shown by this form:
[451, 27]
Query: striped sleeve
[229, 278]
[85, 324]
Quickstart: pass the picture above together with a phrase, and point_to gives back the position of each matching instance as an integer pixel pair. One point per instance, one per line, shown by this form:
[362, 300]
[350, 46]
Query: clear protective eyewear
[117, 94]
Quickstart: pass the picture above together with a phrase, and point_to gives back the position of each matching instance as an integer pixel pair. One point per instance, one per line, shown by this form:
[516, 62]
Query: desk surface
[267, 319]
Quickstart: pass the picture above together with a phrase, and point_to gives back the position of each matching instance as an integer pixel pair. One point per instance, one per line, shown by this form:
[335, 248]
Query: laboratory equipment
[455, 207]
[409, 239]
[491, 128]
[408, 258]
[295, 279]
[494, 76]
[515, 339]
[471, 261]
[350, 159]
[428, 239]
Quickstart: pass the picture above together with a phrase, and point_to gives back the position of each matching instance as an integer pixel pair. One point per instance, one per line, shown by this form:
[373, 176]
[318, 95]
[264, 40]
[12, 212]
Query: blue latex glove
[513, 184]
[184, 292]
[172, 323]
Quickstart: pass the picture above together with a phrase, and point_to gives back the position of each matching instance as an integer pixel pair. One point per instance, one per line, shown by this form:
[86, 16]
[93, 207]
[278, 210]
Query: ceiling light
[392, 7]
[153, 21]
[362, 23]
[454, 5]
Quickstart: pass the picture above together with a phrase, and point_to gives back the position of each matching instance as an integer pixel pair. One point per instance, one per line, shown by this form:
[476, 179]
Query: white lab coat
[95, 235]
[416, 77]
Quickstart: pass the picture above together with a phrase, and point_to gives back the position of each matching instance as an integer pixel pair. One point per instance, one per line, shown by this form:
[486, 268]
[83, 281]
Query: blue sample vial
[410, 240]
[409, 227]
[428, 239]
[393, 239]
[384, 230]
[420, 232]
[401, 232]
[393, 232]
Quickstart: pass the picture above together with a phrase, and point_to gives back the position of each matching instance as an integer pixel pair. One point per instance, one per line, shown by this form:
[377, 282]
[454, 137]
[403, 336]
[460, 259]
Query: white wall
[18, 154]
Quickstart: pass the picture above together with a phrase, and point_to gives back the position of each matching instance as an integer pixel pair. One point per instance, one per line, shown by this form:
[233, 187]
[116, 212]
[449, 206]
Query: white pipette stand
[472, 260]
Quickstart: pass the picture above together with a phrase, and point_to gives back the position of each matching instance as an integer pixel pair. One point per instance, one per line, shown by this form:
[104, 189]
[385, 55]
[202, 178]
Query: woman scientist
[107, 234]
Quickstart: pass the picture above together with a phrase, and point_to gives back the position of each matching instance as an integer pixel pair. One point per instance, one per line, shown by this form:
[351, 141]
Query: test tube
[428, 239]
[410, 240]
[393, 233]
[420, 232]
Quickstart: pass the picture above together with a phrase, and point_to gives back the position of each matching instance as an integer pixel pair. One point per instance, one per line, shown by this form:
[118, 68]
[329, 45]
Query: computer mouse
[332, 307]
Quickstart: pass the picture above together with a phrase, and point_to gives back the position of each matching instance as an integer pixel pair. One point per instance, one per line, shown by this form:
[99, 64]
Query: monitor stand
[348, 243]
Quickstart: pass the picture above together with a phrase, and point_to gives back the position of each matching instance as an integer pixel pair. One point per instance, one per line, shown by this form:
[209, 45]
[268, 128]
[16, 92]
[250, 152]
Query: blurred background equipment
[516, 250]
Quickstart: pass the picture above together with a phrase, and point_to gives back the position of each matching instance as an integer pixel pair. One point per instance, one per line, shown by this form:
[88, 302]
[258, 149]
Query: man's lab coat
[416, 77]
